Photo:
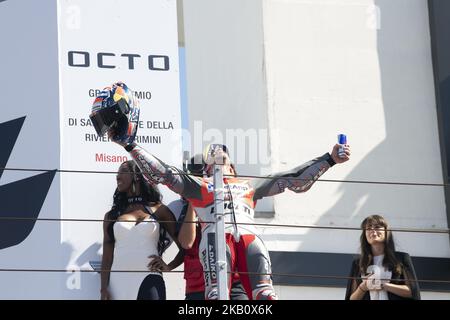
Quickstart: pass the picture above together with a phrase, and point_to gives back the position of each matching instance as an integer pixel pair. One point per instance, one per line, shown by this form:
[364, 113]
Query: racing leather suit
[246, 252]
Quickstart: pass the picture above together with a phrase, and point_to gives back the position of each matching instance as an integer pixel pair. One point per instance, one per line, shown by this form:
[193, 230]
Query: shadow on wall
[402, 95]
[81, 285]
[407, 98]
[21, 199]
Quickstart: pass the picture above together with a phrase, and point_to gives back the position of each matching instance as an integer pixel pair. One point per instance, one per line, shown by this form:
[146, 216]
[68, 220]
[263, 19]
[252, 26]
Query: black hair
[195, 165]
[148, 192]
[389, 260]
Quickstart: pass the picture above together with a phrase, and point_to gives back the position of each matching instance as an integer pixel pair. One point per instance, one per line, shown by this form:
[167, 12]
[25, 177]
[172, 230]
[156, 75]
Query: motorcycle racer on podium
[246, 252]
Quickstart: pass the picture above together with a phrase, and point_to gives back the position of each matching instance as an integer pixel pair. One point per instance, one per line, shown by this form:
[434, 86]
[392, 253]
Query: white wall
[319, 68]
[362, 68]
[313, 69]
[225, 78]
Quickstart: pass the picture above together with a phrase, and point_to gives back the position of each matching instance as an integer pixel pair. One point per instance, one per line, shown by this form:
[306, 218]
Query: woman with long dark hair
[135, 235]
[381, 272]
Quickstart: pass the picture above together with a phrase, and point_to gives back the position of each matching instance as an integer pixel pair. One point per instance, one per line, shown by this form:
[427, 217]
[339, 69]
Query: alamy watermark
[245, 146]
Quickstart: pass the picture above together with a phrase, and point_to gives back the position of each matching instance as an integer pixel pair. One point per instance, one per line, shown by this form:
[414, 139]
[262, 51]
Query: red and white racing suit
[245, 250]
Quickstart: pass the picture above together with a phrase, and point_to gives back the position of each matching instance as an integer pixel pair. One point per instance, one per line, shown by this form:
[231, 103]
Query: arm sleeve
[410, 274]
[299, 179]
[156, 171]
[353, 273]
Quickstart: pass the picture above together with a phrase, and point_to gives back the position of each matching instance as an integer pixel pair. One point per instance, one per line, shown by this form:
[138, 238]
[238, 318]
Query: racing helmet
[116, 108]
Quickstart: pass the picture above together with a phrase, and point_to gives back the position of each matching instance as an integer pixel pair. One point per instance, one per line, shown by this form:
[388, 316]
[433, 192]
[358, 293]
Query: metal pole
[221, 256]
[186, 159]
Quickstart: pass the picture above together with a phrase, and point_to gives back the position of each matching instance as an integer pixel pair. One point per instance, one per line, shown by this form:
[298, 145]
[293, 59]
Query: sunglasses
[213, 148]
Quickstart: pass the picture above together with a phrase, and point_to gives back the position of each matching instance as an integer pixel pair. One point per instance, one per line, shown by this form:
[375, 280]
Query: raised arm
[167, 220]
[157, 171]
[299, 179]
[187, 233]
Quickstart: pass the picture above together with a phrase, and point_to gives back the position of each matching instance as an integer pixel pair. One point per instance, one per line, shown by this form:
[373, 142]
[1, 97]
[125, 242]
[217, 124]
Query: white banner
[102, 42]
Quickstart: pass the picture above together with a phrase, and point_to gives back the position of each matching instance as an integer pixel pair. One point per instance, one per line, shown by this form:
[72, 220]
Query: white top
[380, 275]
[134, 243]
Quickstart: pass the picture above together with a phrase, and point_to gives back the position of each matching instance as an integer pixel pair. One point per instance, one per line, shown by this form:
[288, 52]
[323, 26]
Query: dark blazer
[397, 278]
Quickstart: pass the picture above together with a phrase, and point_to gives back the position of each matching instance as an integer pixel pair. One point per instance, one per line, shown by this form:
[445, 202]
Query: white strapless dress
[133, 244]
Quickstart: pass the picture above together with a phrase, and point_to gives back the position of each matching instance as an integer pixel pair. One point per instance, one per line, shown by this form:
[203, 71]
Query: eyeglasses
[375, 228]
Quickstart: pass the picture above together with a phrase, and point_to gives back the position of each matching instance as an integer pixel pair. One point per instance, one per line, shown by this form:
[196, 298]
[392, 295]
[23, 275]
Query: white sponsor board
[101, 42]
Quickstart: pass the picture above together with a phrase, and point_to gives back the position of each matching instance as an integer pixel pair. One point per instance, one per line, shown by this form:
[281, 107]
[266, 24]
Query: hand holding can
[342, 140]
